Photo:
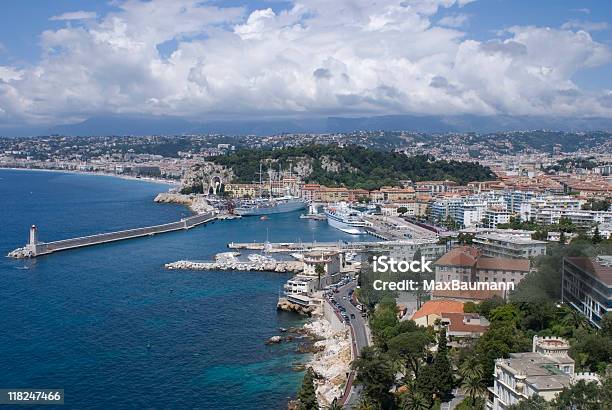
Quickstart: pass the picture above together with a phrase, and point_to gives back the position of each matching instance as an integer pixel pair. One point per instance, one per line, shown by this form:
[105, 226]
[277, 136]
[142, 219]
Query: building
[545, 371]
[331, 263]
[392, 194]
[244, 190]
[466, 264]
[432, 311]
[497, 245]
[496, 215]
[464, 325]
[301, 284]
[587, 286]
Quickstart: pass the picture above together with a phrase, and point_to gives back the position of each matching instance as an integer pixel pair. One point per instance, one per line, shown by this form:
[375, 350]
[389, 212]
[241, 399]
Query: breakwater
[36, 248]
[229, 261]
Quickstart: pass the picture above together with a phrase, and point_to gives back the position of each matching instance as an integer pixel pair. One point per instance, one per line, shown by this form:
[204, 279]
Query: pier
[340, 246]
[36, 248]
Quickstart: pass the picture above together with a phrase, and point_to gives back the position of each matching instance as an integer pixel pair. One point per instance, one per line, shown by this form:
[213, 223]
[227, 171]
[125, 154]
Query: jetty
[230, 261]
[37, 248]
[340, 246]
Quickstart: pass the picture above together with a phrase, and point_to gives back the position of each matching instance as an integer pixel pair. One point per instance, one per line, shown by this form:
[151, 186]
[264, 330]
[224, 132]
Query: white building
[544, 371]
[497, 245]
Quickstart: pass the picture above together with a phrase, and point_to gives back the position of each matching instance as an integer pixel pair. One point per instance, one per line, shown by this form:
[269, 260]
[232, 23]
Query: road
[359, 335]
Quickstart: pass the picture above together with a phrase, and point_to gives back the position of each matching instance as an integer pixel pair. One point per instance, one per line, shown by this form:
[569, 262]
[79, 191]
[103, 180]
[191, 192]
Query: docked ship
[267, 206]
[346, 219]
[270, 205]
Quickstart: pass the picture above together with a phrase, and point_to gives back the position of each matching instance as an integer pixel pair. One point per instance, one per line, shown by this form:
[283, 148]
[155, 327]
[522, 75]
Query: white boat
[346, 219]
[267, 206]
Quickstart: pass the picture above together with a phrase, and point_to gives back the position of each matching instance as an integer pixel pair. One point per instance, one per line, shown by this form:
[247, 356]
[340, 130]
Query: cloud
[75, 15]
[313, 58]
[585, 25]
[582, 10]
[455, 20]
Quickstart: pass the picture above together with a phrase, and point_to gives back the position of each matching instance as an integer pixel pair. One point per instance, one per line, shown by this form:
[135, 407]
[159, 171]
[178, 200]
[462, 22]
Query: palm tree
[574, 319]
[474, 386]
[319, 270]
[415, 400]
[470, 368]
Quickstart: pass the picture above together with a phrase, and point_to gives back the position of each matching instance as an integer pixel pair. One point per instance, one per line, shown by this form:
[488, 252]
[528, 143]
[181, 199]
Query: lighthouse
[33, 235]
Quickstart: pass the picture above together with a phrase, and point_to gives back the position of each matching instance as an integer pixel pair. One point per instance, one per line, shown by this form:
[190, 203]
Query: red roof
[438, 307]
[457, 323]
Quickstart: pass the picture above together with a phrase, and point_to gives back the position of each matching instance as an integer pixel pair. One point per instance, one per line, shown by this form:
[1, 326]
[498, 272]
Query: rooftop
[438, 307]
[599, 267]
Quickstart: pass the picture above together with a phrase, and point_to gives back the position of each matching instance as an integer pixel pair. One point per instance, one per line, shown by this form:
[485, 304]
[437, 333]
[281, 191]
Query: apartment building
[587, 286]
[507, 245]
[496, 215]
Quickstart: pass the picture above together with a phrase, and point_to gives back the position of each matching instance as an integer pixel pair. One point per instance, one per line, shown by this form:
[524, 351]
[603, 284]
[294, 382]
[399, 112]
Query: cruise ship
[346, 219]
[267, 206]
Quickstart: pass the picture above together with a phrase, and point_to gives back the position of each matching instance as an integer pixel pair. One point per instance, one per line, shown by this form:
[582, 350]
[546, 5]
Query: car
[344, 297]
[352, 316]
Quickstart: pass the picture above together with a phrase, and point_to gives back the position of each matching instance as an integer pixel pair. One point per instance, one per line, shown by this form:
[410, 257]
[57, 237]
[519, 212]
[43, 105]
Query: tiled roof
[521, 265]
[457, 323]
[460, 256]
[438, 307]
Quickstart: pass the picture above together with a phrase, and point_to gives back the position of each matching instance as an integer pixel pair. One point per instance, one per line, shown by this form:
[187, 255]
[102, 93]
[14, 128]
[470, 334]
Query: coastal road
[359, 335]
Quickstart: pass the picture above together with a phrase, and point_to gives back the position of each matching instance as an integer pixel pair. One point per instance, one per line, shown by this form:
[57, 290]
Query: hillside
[352, 166]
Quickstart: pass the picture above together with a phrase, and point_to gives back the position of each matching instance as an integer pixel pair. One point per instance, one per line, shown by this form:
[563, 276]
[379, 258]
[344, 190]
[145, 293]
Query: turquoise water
[81, 320]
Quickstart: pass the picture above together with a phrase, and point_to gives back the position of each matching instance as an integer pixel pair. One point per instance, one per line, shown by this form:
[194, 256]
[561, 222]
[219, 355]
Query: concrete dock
[36, 248]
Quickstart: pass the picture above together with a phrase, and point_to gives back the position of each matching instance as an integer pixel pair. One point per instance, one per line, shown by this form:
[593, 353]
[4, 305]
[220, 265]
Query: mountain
[166, 125]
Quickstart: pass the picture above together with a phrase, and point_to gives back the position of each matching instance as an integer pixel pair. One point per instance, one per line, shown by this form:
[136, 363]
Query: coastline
[159, 181]
[332, 360]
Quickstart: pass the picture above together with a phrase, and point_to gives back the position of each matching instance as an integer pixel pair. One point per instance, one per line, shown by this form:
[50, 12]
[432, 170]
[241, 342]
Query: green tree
[307, 396]
[402, 210]
[535, 402]
[596, 235]
[320, 271]
[474, 387]
[411, 349]
[582, 395]
[376, 375]
[443, 370]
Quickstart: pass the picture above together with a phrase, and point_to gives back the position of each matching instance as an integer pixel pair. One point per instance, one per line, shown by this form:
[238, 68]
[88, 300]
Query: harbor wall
[186, 223]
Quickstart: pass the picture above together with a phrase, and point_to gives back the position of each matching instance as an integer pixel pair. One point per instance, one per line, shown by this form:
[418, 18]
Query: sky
[64, 61]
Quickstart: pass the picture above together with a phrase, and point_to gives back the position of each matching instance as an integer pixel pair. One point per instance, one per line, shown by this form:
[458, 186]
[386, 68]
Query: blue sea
[113, 328]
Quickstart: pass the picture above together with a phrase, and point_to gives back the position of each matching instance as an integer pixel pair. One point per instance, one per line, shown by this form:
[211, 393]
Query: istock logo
[384, 264]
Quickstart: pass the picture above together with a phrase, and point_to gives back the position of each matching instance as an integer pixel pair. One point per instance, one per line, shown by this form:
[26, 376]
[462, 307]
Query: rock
[298, 367]
[274, 340]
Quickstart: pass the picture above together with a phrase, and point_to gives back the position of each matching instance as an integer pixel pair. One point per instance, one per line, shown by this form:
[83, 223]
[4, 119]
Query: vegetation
[353, 166]
[307, 397]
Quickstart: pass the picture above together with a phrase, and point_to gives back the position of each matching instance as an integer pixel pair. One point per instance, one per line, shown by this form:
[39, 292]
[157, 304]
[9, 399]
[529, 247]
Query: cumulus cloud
[313, 58]
[75, 15]
[455, 20]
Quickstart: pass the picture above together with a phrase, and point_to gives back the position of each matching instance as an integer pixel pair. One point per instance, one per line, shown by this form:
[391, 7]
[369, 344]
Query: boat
[267, 206]
[348, 220]
[270, 205]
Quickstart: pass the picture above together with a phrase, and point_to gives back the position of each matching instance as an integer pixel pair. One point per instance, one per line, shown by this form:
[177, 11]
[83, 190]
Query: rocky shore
[284, 304]
[332, 360]
[196, 203]
[230, 261]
